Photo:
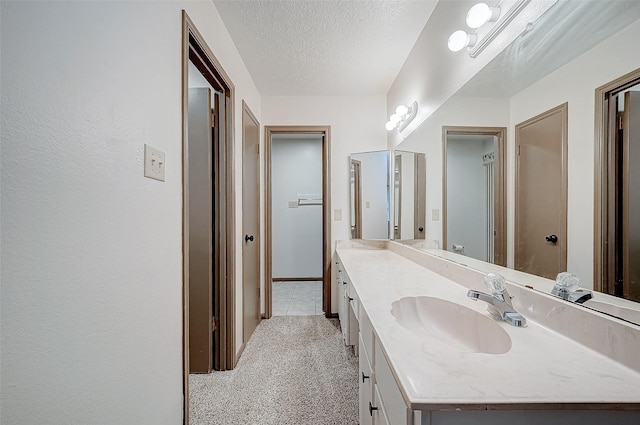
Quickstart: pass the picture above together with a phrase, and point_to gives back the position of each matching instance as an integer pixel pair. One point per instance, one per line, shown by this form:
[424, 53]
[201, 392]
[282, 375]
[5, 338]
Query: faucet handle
[567, 282]
[496, 283]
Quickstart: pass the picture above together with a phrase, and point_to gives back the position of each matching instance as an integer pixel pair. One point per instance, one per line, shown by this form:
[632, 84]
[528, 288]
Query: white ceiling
[352, 47]
[324, 47]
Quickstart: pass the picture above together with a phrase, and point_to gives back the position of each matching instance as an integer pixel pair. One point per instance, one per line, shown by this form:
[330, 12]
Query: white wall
[466, 197]
[575, 83]
[296, 232]
[91, 250]
[457, 111]
[374, 180]
[357, 125]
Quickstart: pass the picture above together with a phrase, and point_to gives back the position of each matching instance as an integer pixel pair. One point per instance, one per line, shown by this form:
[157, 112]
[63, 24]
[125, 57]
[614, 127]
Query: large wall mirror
[385, 204]
[570, 52]
[370, 195]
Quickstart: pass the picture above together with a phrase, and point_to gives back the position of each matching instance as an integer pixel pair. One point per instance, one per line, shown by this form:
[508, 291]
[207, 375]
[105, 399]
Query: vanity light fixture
[402, 117]
[460, 39]
[488, 22]
[480, 14]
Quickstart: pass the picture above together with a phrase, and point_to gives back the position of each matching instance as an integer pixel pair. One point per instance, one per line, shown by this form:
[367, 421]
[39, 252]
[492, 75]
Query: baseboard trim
[238, 354]
[297, 279]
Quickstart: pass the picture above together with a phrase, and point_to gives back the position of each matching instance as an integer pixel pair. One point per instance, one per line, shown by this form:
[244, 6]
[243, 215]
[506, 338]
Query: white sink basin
[453, 324]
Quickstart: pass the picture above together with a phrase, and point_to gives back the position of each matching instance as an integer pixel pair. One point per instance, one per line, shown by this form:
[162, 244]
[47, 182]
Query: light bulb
[480, 14]
[390, 126]
[395, 119]
[402, 110]
[458, 41]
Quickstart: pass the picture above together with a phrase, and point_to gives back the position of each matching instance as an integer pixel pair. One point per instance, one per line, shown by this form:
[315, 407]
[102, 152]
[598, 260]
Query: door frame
[564, 110]
[604, 183]
[500, 185]
[194, 47]
[325, 131]
[356, 202]
[252, 117]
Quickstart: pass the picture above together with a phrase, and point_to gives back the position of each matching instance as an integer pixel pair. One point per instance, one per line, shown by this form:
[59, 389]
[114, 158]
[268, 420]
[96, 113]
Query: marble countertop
[543, 369]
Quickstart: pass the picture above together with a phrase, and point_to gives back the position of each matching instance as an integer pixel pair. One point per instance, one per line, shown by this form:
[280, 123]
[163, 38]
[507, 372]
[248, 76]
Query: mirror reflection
[370, 195]
[473, 192]
[544, 68]
[409, 195]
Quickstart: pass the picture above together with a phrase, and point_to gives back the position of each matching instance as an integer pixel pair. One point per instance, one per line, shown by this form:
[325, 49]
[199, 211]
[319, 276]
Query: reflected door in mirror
[541, 194]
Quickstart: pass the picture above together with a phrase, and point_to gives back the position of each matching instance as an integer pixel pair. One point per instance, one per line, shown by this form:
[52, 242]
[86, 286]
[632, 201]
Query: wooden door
[420, 195]
[200, 140]
[631, 197]
[541, 194]
[356, 200]
[250, 222]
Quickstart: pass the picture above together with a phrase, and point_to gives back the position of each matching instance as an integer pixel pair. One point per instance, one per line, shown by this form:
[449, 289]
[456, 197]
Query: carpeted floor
[294, 370]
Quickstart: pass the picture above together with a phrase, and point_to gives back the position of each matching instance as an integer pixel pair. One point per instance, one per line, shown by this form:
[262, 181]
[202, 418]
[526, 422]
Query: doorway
[541, 194]
[617, 204]
[208, 213]
[319, 200]
[474, 191]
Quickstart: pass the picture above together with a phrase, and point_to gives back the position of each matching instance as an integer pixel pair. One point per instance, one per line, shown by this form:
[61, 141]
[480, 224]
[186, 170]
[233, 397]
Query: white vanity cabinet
[348, 306]
[407, 380]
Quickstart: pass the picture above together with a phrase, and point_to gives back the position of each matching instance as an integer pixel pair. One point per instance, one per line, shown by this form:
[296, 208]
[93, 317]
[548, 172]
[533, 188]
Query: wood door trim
[564, 110]
[601, 252]
[193, 41]
[500, 202]
[325, 131]
[252, 117]
[357, 195]
[419, 196]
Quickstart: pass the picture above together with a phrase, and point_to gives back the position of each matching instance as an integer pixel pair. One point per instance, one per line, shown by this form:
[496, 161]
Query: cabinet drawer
[391, 397]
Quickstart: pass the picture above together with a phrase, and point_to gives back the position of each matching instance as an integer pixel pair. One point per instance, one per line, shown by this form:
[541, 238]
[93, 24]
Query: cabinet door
[365, 388]
[379, 415]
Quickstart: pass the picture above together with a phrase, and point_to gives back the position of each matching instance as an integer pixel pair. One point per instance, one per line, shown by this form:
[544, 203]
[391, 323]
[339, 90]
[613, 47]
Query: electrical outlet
[337, 214]
[154, 164]
[293, 204]
[435, 215]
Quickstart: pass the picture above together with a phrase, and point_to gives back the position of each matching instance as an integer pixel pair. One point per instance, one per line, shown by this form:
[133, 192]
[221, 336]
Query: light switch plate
[337, 214]
[435, 215]
[367, 204]
[293, 204]
[154, 164]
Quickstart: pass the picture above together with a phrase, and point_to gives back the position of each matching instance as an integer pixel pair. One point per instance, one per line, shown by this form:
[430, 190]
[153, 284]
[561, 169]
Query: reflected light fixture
[402, 117]
[480, 14]
[460, 39]
[488, 22]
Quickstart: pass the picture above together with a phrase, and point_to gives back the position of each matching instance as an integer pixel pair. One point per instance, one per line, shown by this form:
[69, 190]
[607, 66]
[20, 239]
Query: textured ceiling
[324, 47]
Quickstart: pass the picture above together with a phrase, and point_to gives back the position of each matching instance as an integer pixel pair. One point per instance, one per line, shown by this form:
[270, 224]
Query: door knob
[248, 238]
[552, 238]
[420, 229]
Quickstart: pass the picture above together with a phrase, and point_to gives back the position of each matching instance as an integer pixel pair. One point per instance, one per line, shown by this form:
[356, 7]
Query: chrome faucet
[568, 288]
[499, 301]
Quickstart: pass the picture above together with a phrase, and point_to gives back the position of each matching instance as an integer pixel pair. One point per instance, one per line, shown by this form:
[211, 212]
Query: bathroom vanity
[429, 354]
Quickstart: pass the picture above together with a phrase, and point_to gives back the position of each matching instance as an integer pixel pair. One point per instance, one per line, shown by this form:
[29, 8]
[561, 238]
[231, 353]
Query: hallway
[297, 298]
[294, 370]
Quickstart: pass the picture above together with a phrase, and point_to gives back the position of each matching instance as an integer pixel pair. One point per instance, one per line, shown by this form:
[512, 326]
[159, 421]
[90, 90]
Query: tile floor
[297, 298]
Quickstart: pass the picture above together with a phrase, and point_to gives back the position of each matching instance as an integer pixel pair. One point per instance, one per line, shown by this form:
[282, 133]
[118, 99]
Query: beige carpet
[294, 370]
